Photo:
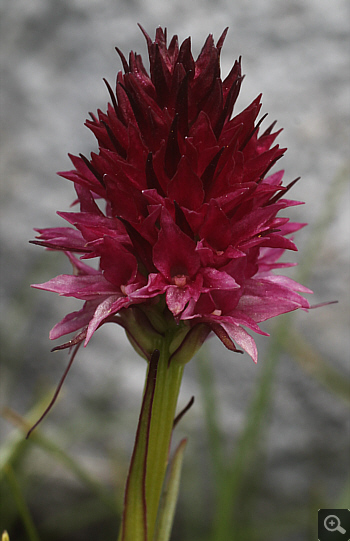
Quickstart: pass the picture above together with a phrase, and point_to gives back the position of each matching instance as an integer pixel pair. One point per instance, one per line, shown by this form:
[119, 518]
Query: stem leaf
[170, 495]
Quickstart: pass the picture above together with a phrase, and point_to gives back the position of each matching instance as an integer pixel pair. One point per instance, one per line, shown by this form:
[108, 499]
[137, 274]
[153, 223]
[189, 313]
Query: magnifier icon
[332, 524]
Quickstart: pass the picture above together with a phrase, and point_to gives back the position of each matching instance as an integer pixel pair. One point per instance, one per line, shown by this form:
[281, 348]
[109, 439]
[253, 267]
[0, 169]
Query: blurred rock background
[54, 54]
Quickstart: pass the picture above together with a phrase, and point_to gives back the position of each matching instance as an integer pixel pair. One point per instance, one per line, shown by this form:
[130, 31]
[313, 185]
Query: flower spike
[187, 231]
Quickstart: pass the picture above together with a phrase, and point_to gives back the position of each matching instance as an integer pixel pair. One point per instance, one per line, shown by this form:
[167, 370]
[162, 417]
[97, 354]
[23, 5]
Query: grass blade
[21, 504]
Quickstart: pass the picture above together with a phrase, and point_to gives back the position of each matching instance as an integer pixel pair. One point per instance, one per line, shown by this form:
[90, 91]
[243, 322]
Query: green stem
[151, 451]
[163, 413]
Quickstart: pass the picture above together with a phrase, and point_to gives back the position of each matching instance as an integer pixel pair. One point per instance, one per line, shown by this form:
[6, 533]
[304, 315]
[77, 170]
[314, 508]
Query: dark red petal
[212, 105]
[186, 187]
[172, 151]
[160, 78]
[118, 264]
[208, 175]
[151, 177]
[207, 69]
[181, 106]
[216, 229]
[185, 57]
[203, 138]
[125, 111]
[181, 220]
[221, 40]
[174, 252]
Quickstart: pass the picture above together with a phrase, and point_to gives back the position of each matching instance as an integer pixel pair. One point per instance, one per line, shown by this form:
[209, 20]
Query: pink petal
[82, 287]
[243, 339]
[74, 321]
[106, 308]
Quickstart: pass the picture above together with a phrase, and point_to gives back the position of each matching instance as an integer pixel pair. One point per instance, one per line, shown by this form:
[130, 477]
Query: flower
[178, 208]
